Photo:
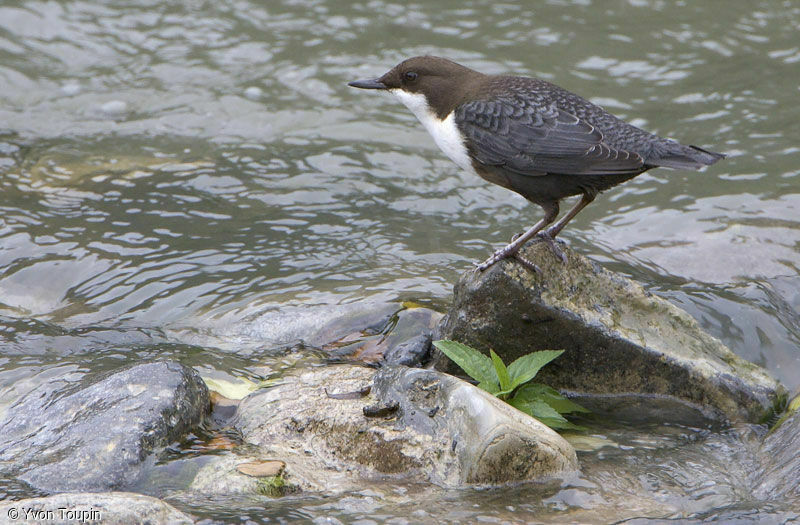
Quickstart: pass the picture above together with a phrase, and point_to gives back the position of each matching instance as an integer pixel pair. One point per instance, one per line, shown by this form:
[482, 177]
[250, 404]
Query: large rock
[112, 508]
[97, 437]
[618, 337]
[477, 438]
[420, 425]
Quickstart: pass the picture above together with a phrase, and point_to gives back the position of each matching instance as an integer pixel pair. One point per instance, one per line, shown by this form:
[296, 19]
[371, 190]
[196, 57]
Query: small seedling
[272, 486]
[512, 384]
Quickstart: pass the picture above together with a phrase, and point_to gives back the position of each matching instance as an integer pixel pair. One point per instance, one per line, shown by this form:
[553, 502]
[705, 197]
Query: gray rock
[417, 424]
[98, 436]
[618, 337]
[398, 336]
[111, 508]
[479, 438]
[780, 453]
[365, 330]
[412, 352]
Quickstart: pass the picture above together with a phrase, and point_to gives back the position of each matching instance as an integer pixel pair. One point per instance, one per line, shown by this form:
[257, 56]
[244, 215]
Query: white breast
[444, 132]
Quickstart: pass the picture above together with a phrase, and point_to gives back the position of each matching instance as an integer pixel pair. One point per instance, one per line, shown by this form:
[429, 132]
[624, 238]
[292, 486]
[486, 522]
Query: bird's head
[437, 83]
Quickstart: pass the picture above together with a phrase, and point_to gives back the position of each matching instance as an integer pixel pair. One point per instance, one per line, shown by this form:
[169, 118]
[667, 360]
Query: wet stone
[368, 330]
[415, 424]
[780, 452]
[110, 508]
[619, 339]
[484, 440]
[99, 435]
[412, 352]
[378, 333]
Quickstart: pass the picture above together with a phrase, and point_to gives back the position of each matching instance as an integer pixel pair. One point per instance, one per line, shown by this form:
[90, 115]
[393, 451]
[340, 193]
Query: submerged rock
[369, 330]
[396, 336]
[618, 337]
[337, 426]
[111, 508]
[98, 436]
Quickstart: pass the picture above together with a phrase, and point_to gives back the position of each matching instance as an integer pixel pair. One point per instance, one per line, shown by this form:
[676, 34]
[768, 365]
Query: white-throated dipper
[529, 136]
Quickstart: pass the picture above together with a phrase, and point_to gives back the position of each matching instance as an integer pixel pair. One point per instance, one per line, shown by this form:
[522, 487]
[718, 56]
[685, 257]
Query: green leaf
[502, 372]
[539, 408]
[526, 367]
[490, 386]
[544, 413]
[530, 392]
[505, 392]
[535, 399]
[537, 391]
[478, 366]
[561, 424]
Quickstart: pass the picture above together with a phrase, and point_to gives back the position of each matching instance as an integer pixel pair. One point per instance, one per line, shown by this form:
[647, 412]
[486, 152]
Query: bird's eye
[410, 76]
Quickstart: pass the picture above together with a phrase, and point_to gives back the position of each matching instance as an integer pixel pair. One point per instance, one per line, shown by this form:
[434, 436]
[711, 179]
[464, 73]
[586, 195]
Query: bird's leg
[555, 229]
[550, 233]
[550, 213]
[530, 265]
[513, 247]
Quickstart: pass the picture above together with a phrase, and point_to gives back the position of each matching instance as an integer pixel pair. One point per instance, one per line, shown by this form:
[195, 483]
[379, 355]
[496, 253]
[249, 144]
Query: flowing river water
[179, 178]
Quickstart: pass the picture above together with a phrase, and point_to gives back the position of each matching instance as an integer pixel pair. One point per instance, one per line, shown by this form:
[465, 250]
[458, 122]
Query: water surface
[177, 179]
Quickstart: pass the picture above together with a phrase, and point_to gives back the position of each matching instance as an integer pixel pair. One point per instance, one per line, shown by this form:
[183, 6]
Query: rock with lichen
[619, 338]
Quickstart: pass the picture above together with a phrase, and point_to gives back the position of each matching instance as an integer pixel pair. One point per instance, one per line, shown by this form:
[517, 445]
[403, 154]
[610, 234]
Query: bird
[529, 136]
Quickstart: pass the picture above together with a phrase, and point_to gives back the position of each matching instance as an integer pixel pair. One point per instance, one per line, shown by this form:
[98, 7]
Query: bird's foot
[527, 263]
[530, 265]
[504, 252]
[496, 257]
[509, 251]
[548, 239]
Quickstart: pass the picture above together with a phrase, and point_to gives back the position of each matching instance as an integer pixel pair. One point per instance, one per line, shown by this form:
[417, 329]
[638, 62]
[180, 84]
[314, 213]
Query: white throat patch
[444, 132]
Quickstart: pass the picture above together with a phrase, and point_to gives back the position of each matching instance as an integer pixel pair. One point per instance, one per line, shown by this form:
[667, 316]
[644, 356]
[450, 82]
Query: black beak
[368, 84]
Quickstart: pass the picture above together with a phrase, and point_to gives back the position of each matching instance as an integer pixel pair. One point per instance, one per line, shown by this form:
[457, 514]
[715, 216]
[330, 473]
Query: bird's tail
[678, 156]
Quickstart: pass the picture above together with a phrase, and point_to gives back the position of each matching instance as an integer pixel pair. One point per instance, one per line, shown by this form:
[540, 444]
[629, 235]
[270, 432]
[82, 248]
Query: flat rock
[415, 424]
[109, 508]
[618, 337]
[97, 436]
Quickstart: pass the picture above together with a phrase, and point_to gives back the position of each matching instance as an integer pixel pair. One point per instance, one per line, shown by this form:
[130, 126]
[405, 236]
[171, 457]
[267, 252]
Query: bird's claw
[512, 250]
[530, 265]
[481, 267]
[497, 256]
[548, 239]
[505, 253]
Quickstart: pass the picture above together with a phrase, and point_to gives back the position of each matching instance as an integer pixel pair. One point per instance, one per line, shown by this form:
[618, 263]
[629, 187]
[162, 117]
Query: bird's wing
[535, 139]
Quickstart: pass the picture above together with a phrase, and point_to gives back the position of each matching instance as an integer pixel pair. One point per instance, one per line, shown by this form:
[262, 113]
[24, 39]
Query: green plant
[512, 384]
[273, 486]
